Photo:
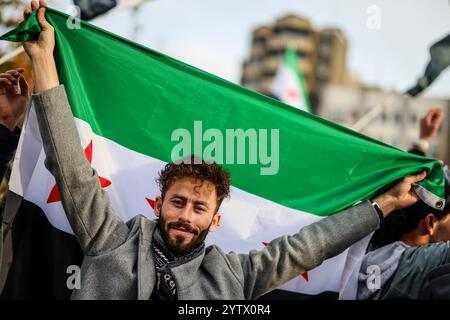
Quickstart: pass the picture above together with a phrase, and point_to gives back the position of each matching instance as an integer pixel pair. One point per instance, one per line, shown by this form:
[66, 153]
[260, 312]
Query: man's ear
[215, 222]
[158, 206]
[429, 222]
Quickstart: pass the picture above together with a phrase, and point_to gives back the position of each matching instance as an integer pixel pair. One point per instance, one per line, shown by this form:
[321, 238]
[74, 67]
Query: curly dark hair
[405, 220]
[194, 167]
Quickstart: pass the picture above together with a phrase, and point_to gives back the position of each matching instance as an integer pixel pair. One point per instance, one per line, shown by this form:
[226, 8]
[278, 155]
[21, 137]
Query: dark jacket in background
[8, 145]
[437, 284]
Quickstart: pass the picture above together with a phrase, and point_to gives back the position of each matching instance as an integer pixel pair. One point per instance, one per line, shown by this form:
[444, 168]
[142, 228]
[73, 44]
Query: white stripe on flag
[287, 88]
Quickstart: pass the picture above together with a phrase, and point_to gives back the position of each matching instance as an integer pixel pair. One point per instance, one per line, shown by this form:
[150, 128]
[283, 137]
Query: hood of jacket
[377, 268]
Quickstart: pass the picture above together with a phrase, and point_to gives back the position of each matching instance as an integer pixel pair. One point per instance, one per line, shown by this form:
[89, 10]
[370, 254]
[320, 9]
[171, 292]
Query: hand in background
[430, 123]
[13, 97]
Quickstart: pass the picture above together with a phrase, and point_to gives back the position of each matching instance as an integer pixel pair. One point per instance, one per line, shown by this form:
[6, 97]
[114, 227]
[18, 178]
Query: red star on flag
[304, 274]
[151, 203]
[292, 94]
[54, 193]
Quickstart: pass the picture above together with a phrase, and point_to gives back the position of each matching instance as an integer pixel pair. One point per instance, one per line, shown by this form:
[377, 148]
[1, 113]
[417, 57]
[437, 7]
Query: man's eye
[177, 203]
[200, 209]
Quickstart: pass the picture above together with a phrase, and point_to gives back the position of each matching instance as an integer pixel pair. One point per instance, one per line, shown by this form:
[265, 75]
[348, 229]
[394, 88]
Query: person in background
[429, 126]
[14, 97]
[412, 246]
[13, 102]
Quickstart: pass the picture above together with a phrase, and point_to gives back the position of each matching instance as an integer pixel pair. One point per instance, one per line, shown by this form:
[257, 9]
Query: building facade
[321, 55]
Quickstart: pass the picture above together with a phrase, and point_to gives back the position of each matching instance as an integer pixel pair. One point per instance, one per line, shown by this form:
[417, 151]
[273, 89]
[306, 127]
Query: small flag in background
[288, 85]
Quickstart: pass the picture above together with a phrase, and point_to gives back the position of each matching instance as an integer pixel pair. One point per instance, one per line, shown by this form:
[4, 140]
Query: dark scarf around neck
[165, 260]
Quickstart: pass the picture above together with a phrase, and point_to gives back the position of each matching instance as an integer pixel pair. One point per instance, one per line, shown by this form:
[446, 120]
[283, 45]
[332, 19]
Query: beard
[177, 245]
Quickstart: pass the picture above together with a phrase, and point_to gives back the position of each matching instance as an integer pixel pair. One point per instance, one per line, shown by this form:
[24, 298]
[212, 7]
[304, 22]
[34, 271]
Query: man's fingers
[23, 86]
[437, 119]
[5, 82]
[435, 110]
[14, 73]
[26, 14]
[34, 5]
[7, 87]
[42, 3]
[433, 115]
[416, 178]
[8, 76]
[10, 79]
[42, 21]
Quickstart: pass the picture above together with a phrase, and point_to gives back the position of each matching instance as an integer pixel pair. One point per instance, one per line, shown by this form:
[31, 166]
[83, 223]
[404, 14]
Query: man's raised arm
[87, 206]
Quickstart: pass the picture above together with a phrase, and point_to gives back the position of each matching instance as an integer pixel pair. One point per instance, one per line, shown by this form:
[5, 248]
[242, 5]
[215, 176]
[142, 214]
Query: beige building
[321, 55]
[389, 117]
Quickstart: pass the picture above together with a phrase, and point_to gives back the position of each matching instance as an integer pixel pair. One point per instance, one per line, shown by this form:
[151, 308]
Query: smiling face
[187, 213]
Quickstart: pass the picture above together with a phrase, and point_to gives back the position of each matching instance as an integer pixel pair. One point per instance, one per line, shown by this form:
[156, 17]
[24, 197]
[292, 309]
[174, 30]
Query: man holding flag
[167, 259]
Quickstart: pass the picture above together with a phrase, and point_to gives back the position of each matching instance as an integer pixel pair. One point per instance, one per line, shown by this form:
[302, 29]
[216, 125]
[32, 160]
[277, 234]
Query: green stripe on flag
[137, 97]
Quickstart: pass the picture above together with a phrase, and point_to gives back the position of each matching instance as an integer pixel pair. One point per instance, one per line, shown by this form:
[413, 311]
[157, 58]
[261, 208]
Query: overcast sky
[215, 35]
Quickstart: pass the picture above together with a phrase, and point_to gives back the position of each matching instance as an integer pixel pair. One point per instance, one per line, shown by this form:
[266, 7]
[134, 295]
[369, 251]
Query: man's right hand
[44, 71]
[44, 46]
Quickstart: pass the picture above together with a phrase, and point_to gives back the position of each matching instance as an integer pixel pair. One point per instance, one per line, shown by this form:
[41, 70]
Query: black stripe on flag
[41, 255]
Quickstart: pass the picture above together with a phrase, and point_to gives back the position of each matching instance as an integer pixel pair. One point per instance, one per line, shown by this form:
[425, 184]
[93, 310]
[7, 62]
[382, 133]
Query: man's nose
[186, 213]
